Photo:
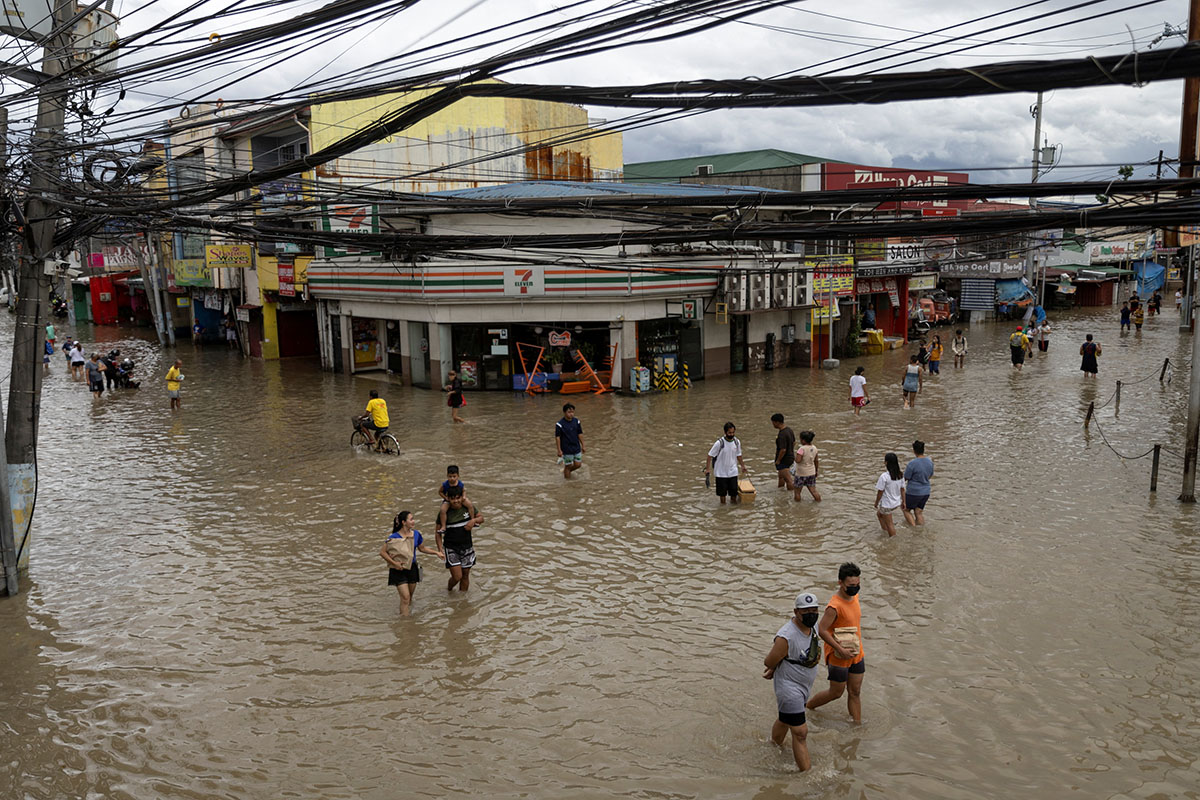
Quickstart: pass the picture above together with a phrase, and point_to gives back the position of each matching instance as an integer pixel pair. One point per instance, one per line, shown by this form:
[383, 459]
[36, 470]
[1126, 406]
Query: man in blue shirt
[568, 438]
[916, 484]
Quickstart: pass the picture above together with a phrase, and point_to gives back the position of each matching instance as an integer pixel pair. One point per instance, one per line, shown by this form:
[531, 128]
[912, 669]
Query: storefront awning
[1014, 292]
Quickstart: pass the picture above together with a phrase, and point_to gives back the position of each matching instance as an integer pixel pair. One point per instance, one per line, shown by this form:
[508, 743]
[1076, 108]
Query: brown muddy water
[206, 615]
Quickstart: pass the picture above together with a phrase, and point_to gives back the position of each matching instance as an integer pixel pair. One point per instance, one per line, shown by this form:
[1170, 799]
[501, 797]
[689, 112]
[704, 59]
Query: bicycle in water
[384, 442]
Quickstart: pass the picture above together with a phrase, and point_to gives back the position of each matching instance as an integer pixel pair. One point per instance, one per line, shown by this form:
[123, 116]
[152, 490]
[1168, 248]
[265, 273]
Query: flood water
[206, 614]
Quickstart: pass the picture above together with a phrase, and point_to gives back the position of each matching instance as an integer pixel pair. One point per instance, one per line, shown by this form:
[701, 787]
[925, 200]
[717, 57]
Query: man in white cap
[792, 664]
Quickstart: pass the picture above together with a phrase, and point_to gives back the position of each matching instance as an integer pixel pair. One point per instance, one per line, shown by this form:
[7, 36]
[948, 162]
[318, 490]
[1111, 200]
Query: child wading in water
[959, 347]
[935, 356]
[808, 464]
[912, 382]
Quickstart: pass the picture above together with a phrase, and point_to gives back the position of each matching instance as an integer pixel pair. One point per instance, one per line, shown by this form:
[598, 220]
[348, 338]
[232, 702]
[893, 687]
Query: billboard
[238, 256]
[837, 177]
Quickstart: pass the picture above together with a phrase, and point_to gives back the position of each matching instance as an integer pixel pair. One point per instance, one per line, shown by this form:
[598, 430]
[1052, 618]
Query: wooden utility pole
[46, 159]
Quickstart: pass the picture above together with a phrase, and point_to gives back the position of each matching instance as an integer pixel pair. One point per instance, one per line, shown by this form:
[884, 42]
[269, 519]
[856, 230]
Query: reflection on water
[207, 615]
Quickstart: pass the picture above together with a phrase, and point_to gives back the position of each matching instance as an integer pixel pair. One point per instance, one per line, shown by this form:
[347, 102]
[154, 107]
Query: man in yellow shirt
[173, 379]
[376, 419]
[1018, 343]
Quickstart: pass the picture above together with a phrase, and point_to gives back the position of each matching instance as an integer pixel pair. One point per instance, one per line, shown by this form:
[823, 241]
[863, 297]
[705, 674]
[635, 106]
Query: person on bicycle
[375, 421]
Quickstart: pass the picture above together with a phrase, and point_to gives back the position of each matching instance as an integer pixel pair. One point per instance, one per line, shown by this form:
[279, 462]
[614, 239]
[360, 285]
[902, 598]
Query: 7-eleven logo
[524, 281]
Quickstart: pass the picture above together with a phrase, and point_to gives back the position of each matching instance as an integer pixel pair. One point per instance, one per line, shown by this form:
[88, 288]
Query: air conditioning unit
[789, 334]
[782, 290]
[737, 291]
[703, 170]
[800, 289]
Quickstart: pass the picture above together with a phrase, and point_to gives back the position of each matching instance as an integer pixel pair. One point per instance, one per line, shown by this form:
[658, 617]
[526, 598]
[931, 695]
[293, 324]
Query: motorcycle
[125, 374]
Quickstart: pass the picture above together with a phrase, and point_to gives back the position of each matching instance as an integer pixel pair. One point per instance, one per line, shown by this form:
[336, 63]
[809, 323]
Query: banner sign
[287, 280]
[191, 272]
[885, 270]
[843, 284]
[1000, 269]
[524, 281]
[560, 339]
[857, 176]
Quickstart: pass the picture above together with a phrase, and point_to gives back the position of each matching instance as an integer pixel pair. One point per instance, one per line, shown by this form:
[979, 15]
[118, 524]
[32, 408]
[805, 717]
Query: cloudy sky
[1094, 127]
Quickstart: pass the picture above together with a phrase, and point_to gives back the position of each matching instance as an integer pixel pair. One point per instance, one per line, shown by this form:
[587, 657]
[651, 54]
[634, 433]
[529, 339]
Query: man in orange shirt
[841, 630]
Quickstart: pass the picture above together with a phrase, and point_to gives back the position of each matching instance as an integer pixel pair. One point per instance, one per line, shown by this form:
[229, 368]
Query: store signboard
[287, 280]
[191, 272]
[243, 314]
[843, 284]
[183, 302]
[524, 281]
[1000, 269]
[836, 177]
[885, 270]
[560, 339]
[690, 309]
[353, 220]
[922, 283]
[235, 256]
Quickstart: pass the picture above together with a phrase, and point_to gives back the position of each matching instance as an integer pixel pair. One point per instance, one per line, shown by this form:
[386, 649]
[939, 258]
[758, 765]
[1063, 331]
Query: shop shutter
[978, 295]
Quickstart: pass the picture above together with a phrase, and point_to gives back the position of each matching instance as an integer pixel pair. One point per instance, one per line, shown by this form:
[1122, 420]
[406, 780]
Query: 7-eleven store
[419, 322]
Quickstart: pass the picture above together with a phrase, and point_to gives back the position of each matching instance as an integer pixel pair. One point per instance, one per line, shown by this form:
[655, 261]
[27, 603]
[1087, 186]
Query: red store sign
[837, 177]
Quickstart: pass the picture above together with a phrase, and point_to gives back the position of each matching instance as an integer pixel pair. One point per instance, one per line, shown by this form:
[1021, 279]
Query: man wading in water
[453, 537]
[841, 630]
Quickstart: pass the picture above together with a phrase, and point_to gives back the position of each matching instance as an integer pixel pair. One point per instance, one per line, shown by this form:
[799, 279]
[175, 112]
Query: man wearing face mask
[841, 630]
[792, 665]
[724, 460]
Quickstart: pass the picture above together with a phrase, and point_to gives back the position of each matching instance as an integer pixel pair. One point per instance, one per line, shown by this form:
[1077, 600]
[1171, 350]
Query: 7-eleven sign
[524, 281]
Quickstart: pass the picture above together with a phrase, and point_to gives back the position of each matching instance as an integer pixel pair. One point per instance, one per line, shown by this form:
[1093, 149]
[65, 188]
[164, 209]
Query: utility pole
[1187, 168]
[8, 543]
[25, 380]
[1030, 270]
[146, 265]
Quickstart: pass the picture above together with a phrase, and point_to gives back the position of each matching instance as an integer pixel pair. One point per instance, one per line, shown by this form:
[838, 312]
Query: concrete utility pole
[25, 380]
[146, 265]
[1030, 270]
[8, 544]
[1187, 168]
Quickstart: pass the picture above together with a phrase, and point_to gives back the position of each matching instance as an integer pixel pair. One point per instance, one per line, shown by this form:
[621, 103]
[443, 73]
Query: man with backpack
[724, 461]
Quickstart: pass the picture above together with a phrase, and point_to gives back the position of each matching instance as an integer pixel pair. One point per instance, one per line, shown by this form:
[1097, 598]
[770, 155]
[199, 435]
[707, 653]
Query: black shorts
[399, 576]
[727, 486]
[96, 385]
[371, 426]
[792, 720]
[842, 674]
[785, 464]
[455, 400]
[1018, 354]
[1044, 346]
[914, 501]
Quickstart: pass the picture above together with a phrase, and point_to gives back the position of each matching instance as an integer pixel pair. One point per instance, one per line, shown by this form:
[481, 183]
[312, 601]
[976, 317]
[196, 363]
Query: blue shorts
[842, 674]
[914, 501]
[572, 458]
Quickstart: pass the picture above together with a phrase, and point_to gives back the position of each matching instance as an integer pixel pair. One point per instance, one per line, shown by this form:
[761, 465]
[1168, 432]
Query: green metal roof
[721, 163]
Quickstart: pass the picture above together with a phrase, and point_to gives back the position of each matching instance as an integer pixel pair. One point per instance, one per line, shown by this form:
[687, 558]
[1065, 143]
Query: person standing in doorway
[912, 381]
[568, 439]
[724, 462]
[95, 375]
[958, 346]
[403, 573]
[197, 332]
[935, 356]
[1043, 333]
[1018, 343]
[231, 333]
[785, 445]
[808, 464]
[858, 391]
[1179, 301]
[455, 399]
[173, 379]
[917, 488]
[889, 493]
[1125, 316]
[1090, 351]
[792, 665]
[840, 629]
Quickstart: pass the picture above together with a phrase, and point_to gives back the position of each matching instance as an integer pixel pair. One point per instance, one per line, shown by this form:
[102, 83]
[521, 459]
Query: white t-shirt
[891, 490]
[77, 356]
[725, 455]
[857, 383]
[1044, 331]
[1178, 298]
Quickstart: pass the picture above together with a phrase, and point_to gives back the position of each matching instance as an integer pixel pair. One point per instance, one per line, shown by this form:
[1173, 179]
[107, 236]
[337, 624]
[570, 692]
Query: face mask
[809, 620]
[852, 590]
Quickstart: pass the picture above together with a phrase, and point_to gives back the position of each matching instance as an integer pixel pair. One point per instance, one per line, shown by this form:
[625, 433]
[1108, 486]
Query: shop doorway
[691, 350]
[738, 350]
[418, 362]
[297, 332]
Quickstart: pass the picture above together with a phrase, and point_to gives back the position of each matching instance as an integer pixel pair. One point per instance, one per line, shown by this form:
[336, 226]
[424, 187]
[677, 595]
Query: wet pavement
[206, 613]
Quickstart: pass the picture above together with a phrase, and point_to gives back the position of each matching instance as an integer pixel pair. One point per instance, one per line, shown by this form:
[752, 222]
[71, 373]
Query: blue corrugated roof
[530, 189]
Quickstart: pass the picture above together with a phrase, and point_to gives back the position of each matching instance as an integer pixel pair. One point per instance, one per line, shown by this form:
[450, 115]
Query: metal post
[1154, 469]
[1163, 372]
[1185, 314]
[1091, 410]
[8, 544]
[1118, 394]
